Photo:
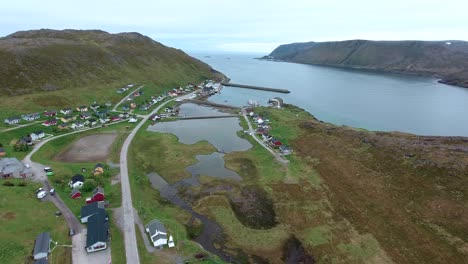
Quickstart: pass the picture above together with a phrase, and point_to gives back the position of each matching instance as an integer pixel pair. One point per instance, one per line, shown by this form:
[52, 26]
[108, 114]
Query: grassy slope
[19, 205]
[52, 69]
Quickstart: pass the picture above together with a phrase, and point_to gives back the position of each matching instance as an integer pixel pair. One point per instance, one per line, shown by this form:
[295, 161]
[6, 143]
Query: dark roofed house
[12, 120]
[31, 117]
[76, 181]
[42, 245]
[98, 169]
[89, 210]
[157, 233]
[285, 150]
[41, 261]
[98, 232]
[275, 143]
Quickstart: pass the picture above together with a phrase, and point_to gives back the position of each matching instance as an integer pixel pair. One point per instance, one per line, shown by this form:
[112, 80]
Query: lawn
[17, 233]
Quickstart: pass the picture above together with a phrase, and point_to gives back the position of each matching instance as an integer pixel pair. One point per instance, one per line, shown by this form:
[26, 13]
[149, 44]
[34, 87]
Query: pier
[207, 117]
[256, 87]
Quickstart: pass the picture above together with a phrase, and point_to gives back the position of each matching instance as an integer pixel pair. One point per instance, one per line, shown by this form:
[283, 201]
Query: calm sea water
[369, 100]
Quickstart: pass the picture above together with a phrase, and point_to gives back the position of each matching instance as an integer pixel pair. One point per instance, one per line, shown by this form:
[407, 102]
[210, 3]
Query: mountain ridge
[46, 59]
[445, 60]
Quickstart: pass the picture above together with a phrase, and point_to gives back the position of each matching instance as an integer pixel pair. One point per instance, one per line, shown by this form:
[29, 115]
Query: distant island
[445, 60]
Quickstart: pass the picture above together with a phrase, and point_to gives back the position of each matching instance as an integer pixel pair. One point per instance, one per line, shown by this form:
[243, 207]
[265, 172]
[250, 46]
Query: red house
[50, 113]
[98, 195]
[51, 122]
[75, 194]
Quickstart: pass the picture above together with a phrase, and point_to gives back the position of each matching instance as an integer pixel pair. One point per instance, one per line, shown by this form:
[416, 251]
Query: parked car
[71, 232]
[48, 171]
[52, 191]
[40, 193]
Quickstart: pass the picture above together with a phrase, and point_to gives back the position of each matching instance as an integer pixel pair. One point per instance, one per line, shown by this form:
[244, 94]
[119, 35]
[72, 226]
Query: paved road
[128, 218]
[19, 126]
[125, 98]
[278, 157]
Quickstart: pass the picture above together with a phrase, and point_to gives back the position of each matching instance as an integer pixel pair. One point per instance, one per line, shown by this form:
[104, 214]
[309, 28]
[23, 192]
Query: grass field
[64, 171]
[17, 234]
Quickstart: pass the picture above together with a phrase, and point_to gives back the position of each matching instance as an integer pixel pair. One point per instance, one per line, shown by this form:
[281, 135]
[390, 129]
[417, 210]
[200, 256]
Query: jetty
[256, 87]
[207, 117]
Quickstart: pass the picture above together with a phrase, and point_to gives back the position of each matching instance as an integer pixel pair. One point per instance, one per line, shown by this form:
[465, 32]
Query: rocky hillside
[441, 59]
[44, 60]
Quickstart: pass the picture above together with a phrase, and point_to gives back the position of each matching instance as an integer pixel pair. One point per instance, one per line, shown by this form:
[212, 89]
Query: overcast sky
[245, 25]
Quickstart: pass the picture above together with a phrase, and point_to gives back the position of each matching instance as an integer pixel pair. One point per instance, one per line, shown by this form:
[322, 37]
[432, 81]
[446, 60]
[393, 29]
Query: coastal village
[93, 212]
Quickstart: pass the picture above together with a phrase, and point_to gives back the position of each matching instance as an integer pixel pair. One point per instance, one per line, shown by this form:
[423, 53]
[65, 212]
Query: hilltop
[446, 60]
[50, 60]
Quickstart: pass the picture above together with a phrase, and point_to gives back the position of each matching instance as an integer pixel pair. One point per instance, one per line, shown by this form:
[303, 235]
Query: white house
[157, 233]
[66, 111]
[31, 117]
[77, 125]
[12, 120]
[132, 120]
[37, 135]
[77, 181]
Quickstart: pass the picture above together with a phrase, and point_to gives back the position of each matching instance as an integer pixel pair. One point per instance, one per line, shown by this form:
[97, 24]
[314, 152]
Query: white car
[40, 193]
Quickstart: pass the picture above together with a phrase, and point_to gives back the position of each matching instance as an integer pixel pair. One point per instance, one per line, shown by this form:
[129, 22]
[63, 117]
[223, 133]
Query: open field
[347, 195]
[89, 148]
[17, 233]
[65, 170]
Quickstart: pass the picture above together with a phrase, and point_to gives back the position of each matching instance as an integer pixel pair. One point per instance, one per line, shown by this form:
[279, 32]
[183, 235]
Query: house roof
[11, 165]
[77, 178]
[38, 132]
[284, 147]
[41, 261]
[13, 118]
[155, 226]
[91, 209]
[75, 191]
[2, 149]
[98, 189]
[98, 165]
[98, 226]
[159, 236]
[42, 243]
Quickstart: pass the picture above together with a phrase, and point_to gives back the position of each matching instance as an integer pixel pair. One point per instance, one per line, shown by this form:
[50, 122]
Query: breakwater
[256, 87]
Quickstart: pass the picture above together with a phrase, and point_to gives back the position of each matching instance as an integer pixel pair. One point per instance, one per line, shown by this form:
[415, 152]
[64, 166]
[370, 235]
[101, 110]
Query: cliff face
[42, 60]
[447, 60]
